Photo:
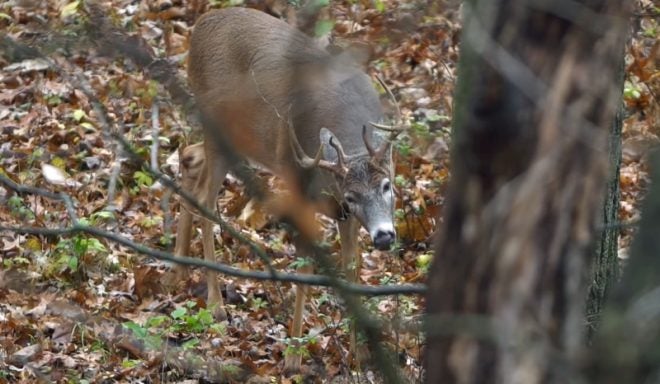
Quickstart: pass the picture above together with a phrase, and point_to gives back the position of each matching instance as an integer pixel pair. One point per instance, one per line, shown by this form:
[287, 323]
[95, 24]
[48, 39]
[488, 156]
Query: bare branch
[308, 279]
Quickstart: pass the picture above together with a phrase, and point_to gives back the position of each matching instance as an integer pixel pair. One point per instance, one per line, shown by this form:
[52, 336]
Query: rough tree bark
[627, 346]
[605, 266]
[534, 103]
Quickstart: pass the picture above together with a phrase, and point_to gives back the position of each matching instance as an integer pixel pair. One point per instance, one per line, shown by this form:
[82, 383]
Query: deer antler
[394, 130]
[367, 142]
[339, 168]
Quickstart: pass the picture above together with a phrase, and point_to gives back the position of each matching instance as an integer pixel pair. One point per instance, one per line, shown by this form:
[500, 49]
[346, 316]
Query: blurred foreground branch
[78, 227]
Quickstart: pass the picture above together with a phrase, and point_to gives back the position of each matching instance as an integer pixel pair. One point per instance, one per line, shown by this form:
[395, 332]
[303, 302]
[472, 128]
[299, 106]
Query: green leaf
[105, 215]
[137, 330]
[300, 262]
[156, 321]
[70, 9]
[400, 180]
[179, 313]
[323, 27]
[192, 343]
[142, 179]
[88, 126]
[319, 3]
[95, 245]
[205, 316]
[73, 263]
[424, 261]
[218, 328]
[130, 363]
[78, 115]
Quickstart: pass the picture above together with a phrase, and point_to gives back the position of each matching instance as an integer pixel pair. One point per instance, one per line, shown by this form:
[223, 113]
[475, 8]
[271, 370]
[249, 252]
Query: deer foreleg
[351, 263]
[350, 257]
[214, 174]
[183, 237]
[293, 359]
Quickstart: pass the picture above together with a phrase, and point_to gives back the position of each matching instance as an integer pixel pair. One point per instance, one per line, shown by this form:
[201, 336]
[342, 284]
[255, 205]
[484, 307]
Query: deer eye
[350, 198]
[387, 186]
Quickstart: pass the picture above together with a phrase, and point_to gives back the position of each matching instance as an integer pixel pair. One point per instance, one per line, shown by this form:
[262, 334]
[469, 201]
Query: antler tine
[299, 153]
[341, 156]
[386, 128]
[307, 162]
[394, 130]
[399, 116]
[367, 142]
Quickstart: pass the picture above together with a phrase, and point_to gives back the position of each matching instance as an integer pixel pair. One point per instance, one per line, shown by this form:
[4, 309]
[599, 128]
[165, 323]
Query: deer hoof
[292, 364]
[216, 304]
[360, 355]
[173, 277]
[220, 314]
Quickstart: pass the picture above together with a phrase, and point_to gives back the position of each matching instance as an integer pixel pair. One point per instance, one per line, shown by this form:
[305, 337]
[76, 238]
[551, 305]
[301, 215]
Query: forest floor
[83, 308]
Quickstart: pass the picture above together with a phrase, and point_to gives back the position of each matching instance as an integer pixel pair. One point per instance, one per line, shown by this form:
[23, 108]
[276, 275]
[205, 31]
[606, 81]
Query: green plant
[151, 221]
[379, 5]
[70, 252]
[100, 217]
[142, 179]
[258, 303]
[323, 27]
[35, 156]
[225, 3]
[70, 9]
[300, 262]
[149, 92]
[407, 305]
[387, 279]
[403, 146]
[130, 363]
[18, 208]
[53, 100]
[187, 321]
[182, 319]
[152, 341]
[631, 90]
[15, 262]
[424, 262]
[323, 299]
[651, 30]
[298, 346]
[166, 239]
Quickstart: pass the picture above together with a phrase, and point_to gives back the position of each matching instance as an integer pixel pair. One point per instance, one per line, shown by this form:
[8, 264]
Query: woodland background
[81, 100]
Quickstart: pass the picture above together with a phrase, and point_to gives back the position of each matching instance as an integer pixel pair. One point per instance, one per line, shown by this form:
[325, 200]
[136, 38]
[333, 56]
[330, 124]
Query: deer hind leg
[351, 263]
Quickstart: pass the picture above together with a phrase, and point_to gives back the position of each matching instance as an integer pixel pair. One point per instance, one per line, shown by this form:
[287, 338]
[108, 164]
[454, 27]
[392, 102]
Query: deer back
[253, 73]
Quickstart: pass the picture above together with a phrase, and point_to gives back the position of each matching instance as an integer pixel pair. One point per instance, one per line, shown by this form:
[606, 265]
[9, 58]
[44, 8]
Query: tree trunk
[535, 98]
[605, 268]
[627, 345]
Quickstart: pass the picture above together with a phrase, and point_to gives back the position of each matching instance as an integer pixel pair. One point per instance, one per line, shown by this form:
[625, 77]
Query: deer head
[363, 181]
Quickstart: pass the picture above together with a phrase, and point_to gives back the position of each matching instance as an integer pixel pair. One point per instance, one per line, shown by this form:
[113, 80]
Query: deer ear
[327, 138]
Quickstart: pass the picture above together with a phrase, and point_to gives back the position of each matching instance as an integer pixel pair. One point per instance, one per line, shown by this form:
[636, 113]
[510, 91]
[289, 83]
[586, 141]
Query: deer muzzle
[383, 236]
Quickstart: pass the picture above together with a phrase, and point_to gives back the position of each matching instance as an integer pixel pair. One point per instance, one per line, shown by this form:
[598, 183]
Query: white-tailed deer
[270, 93]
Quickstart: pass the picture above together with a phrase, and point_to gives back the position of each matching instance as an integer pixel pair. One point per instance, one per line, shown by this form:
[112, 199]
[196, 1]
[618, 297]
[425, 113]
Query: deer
[273, 94]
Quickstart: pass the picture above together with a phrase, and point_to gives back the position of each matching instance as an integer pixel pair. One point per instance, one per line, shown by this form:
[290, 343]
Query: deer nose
[384, 239]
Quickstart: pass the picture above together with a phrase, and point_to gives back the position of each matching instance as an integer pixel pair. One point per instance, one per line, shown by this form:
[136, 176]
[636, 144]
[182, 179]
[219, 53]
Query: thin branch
[155, 132]
[306, 279]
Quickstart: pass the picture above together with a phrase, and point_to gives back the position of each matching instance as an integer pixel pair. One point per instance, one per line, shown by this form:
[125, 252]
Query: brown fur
[252, 76]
